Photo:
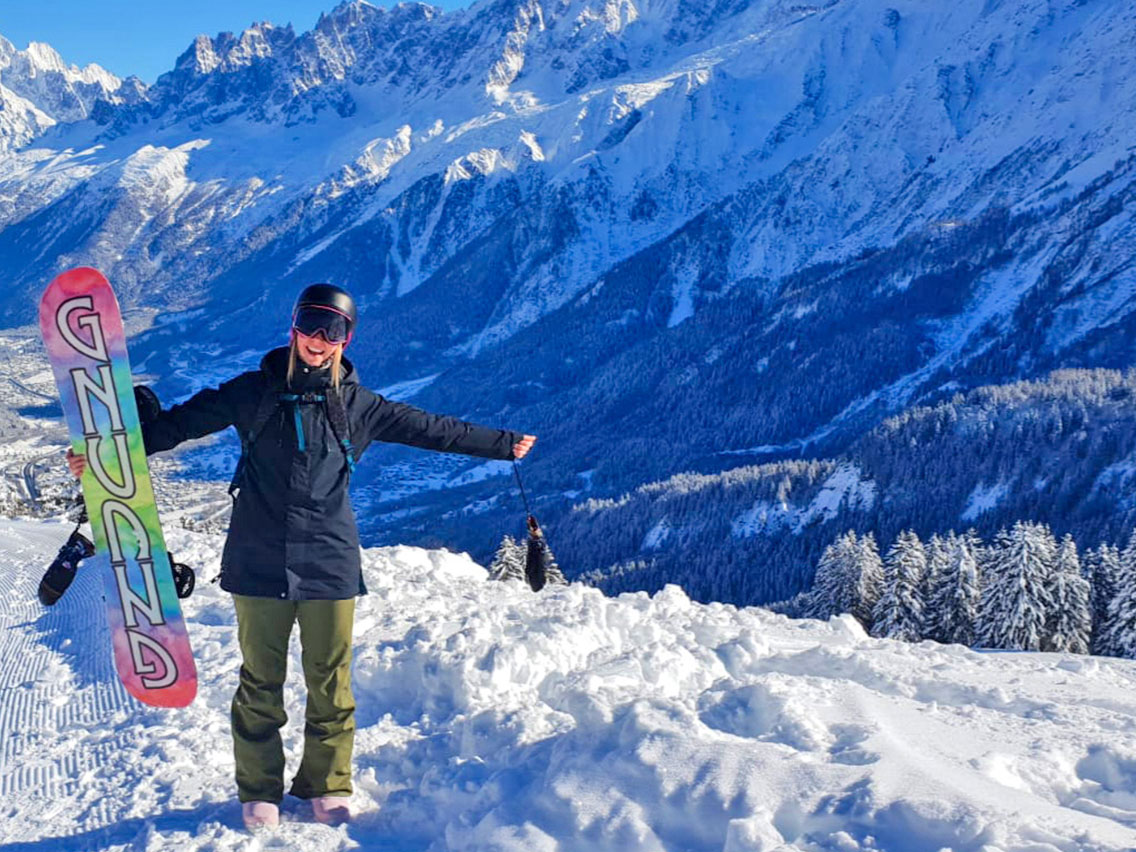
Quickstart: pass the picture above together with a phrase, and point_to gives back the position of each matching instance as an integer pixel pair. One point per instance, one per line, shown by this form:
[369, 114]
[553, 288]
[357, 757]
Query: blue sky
[144, 37]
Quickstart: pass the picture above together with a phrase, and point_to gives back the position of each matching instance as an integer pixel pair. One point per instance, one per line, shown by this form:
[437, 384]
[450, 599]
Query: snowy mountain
[662, 235]
[39, 90]
[493, 718]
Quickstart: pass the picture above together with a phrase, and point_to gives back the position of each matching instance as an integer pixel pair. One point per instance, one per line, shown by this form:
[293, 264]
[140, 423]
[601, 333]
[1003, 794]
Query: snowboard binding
[62, 570]
[184, 578]
[60, 574]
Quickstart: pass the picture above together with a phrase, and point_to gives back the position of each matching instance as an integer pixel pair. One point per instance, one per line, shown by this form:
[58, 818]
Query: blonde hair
[336, 362]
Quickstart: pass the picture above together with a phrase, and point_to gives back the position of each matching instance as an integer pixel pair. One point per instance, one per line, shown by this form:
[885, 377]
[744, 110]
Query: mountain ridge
[588, 216]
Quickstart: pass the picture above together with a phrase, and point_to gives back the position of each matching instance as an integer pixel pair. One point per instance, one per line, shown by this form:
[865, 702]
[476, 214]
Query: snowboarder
[292, 554]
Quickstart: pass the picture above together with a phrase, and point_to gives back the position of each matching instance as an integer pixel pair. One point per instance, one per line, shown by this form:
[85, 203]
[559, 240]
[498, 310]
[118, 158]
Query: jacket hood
[275, 366]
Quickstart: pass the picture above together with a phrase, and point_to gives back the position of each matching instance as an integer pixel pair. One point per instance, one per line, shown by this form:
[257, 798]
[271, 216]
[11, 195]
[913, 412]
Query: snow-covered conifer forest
[1023, 591]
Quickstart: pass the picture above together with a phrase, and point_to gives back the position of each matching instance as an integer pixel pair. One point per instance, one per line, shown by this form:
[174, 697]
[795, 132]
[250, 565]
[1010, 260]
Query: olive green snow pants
[264, 626]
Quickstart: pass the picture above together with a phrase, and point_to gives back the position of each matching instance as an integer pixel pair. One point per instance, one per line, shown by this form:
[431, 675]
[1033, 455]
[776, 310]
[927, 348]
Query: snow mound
[491, 718]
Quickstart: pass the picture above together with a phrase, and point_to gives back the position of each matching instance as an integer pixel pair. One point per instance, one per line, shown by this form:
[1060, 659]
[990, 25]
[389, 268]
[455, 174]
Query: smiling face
[315, 351]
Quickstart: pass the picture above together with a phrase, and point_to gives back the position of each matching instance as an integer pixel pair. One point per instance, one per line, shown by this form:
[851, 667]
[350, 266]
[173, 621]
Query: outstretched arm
[78, 463]
[405, 424]
[207, 411]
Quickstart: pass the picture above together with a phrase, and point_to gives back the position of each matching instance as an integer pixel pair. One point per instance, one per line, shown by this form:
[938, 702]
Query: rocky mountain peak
[40, 59]
[38, 89]
[227, 52]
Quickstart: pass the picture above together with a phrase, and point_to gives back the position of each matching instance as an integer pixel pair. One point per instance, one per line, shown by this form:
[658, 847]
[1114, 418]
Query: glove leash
[534, 527]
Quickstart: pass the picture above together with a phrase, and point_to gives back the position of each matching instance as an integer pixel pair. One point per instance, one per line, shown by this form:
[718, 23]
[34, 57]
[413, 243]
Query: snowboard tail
[82, 330]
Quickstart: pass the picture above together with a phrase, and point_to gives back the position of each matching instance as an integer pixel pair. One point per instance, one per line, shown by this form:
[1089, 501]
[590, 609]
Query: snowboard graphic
[82, 330]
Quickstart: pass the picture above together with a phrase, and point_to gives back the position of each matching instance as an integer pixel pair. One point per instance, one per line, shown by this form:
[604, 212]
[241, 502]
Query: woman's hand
[78, 463]
[523, 446]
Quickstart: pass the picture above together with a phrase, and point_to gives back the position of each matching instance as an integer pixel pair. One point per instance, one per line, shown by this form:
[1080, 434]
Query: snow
[657, 535]
[983, 498]
[997, 295]
[1115, 480]
[529, 140]
[430, 472]
[407, 389]
[159, 173]
[683, 296]
[481, 472]
[762, 518]
[845, 488]
[491, 718]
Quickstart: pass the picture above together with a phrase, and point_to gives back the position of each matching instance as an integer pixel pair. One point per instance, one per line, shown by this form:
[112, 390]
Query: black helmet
[328, 296]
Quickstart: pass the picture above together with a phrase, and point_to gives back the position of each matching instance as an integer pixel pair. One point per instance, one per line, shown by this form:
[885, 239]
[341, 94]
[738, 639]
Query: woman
[292, 554]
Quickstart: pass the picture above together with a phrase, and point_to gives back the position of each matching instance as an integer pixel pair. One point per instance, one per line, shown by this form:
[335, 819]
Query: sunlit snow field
[491, 718]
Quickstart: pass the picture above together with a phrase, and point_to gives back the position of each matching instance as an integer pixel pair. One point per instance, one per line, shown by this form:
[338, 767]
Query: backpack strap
[265, 408]
[336, 408]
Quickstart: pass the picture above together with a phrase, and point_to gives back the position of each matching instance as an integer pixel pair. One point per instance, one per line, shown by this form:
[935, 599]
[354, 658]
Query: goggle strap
[322, 308]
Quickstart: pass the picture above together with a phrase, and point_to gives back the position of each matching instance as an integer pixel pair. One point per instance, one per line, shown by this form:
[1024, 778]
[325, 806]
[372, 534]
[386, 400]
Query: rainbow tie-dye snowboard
[82, 330]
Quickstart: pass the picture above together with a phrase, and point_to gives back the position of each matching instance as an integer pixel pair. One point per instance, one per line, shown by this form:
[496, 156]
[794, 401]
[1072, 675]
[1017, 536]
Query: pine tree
[553, 575]
[938, 555]
[847, 579]
[938, 565]
[1070, 625]
[509, 561]
[1120, 624]
[1103, 568]
[869, 580]
[954, 605]
[899, 611]
[832, 585]
[1017, 600]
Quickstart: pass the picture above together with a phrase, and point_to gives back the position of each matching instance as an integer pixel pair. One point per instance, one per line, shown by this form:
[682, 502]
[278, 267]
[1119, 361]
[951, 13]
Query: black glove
[149, 407]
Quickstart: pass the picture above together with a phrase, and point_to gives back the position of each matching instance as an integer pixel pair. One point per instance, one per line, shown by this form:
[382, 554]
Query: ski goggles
[311, 320]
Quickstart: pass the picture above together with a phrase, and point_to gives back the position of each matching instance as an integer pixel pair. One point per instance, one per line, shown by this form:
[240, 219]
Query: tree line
[1024, 590]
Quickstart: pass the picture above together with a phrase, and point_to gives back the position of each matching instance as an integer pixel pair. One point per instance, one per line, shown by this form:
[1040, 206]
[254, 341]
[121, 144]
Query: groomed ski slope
[494, 719]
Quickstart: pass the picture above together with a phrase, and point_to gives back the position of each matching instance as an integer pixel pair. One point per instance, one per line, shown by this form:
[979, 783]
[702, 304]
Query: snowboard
[82, 331]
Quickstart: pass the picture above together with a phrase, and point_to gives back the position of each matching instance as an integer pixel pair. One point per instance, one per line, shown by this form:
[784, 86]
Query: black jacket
[293, 532]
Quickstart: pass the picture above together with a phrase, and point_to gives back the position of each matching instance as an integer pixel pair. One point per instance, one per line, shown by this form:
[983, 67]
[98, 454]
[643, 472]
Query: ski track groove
[54, 679]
